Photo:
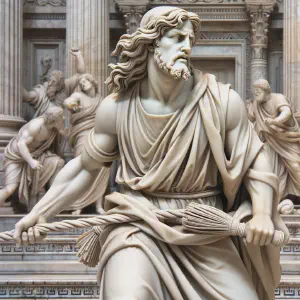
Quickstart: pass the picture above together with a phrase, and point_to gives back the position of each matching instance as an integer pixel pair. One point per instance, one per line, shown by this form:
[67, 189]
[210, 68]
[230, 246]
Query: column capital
[132, 12]
[253, 6]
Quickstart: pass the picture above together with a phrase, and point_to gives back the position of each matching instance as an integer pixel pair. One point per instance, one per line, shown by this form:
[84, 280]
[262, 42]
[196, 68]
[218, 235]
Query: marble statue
[29, 163]
[46, 63]
[83, 106]
[277, 126]
[181, 136]
[56, 90]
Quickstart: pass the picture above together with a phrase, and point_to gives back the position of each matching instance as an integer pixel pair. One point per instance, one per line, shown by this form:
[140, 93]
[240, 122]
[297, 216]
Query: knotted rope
[197, 218]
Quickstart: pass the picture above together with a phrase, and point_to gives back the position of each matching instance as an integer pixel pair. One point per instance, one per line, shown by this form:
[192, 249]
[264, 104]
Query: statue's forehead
[187, 27]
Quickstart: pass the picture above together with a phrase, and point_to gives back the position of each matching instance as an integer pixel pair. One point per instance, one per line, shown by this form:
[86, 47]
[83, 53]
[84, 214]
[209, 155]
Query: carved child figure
[276, 125]
[83, 106]
[28, 162]
[180, 136]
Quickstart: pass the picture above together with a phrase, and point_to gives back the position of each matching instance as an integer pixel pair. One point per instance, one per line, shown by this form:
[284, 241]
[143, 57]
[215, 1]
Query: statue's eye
[181, 38]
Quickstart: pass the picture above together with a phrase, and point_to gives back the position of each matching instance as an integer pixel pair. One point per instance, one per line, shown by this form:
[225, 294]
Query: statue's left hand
[260, 230]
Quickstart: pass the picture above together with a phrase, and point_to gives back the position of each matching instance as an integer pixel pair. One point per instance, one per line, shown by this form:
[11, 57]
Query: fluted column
[88, 28]
[133, 12]
[259, 13]
[291, 52]
[11, 38]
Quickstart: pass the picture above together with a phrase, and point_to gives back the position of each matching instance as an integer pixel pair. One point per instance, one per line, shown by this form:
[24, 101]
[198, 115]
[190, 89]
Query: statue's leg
[7, 191]
[12, 178]
[60, 165]
[130, 274]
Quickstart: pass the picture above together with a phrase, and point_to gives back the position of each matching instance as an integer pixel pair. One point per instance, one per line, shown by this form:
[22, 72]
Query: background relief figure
[29, 163]
[275, 123]
[83, 106]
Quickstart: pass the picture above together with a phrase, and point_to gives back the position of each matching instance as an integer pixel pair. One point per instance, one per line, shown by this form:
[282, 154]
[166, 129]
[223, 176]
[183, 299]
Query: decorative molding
[76, 290]
[133, 13]
[55, 3]
[44, 16]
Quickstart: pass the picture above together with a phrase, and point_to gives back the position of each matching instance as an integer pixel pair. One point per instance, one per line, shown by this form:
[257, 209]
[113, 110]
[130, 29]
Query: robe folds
[81, 124]
[167, 161]
[282, 144]
[17, 170]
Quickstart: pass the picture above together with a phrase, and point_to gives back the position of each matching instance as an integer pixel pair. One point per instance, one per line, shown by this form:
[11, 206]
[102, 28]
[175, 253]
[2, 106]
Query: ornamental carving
[46, 2]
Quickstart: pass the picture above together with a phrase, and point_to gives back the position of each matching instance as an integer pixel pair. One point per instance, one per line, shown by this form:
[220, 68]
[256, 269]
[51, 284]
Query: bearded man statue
[180, 136]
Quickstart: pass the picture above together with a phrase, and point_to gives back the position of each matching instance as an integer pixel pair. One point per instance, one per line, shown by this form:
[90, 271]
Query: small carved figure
[56, 90]
[46, 63]
[28, 161]
[181, 136]
[275, 123]
[83, 106]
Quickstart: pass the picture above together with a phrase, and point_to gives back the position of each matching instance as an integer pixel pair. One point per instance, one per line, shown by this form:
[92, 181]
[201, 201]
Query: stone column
[291, 52]
[133, 12]
[259, 13]
[88, 28]
[11, 38]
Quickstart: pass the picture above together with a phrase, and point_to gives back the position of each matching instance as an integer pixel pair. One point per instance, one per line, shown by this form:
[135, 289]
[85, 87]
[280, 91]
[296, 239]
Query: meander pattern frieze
[86, 291]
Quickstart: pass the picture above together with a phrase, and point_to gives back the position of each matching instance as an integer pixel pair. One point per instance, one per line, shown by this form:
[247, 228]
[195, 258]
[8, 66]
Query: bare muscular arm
[26, 138]
[261, 225]
[29, 96]
[75, 178]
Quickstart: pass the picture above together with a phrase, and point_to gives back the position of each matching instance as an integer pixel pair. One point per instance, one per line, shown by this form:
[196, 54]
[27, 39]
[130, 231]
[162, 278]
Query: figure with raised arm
[276, 125]
[83, 106]
[29, 163]
[180, 136]
[56, 90]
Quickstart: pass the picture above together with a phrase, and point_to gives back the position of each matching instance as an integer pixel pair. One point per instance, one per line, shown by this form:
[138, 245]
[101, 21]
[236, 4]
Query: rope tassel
[197, 218]
[89, 247]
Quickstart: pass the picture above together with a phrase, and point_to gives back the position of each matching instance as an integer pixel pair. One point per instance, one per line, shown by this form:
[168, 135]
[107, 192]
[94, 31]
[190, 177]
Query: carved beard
[183, 73]
[51, 92]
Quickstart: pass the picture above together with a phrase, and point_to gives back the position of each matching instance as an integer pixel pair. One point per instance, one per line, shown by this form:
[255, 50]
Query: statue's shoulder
[279, 99]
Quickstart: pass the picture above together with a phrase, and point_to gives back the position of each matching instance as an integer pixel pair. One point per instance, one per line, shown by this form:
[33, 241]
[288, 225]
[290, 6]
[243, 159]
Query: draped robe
[17, 170]
[282, 144]
[81, 124]
[166, 162]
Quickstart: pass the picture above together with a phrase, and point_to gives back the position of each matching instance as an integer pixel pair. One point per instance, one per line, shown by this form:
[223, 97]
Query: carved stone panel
[34, 51]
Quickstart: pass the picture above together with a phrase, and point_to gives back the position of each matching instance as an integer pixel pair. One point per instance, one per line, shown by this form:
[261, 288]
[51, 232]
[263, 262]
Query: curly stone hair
[53, 113]
[91, 79]
[134, 48]
[59, 76]
[263, 84]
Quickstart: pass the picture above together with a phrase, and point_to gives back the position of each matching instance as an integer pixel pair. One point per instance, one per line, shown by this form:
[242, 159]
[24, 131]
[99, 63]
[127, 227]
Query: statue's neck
[162, 87]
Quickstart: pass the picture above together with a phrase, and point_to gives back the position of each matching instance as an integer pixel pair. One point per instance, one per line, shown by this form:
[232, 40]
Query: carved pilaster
[133, 13]
[259, 14]
[291, 52]
[11, 37]
[88, 29]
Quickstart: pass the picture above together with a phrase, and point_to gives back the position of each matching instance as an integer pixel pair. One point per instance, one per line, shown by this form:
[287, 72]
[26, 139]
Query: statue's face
[85, 84]
[259, 94]
[53, 87]
[174, 50]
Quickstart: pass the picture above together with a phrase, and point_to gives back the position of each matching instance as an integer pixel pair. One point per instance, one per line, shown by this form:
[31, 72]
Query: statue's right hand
[25, 233]
[36, 165]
